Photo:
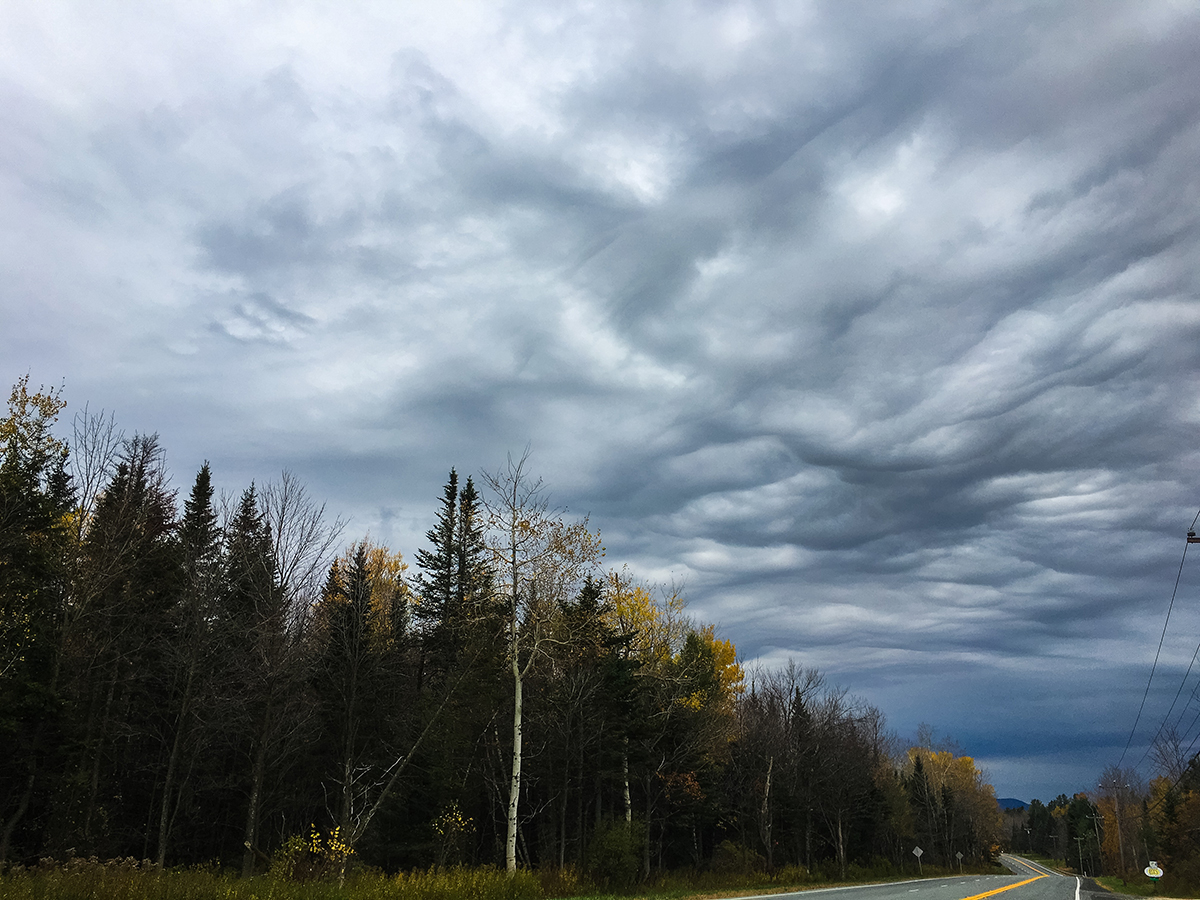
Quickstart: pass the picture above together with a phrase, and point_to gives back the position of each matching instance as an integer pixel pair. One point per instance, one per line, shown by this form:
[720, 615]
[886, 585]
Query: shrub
[791, 875]
[317, 857]
[615, 855]
[477, 884]
[565, 882]
[730, 857]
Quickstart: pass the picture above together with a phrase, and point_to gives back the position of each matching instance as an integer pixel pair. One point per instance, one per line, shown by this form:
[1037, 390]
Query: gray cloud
[878, 328]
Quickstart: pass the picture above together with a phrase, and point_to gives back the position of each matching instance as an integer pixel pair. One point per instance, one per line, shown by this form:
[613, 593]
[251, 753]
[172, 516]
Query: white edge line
[828, 890]
[1077, 884]
[851, 887]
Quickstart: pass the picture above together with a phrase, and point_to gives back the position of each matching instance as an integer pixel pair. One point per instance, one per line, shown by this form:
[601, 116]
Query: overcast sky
[877, 325]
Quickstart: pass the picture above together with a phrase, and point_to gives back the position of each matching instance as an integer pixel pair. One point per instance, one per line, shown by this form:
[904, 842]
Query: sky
[876, 326]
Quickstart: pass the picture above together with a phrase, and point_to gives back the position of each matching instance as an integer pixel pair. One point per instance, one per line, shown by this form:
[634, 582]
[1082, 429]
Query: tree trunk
[514, 787]
[808, 840]
[765, 818]
[94, 781]
[565, 806]
[258, 776]
[841, 846]
[11, 824]
[164, 818]
[625, 783]
[646, 843]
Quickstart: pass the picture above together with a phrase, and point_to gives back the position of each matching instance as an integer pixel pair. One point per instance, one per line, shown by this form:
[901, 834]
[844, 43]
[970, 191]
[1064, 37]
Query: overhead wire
[1195, 694]
[1190, 704]
[1157, 653]
[1187, 754]
[1178, 694]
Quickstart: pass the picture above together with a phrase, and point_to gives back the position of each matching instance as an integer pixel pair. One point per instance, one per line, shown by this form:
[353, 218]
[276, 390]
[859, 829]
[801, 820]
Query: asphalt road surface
[1029, 881]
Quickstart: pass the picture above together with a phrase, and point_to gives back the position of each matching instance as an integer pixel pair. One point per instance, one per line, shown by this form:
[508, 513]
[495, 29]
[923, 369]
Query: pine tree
[359, 678]
[437, 583]
[191, 657]
[456, 582]
[35, 499]
[473, 571]
[261, 658]
[199, 533]
[249, 568]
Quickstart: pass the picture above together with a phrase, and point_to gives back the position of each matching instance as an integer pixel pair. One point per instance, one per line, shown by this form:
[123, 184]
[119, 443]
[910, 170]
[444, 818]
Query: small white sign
[917, 851]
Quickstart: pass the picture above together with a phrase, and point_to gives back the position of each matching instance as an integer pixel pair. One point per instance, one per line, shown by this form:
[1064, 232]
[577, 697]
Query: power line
[1178, 694]
[1157, 652]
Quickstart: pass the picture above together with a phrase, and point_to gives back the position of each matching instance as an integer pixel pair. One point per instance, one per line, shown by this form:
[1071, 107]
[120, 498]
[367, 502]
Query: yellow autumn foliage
[658, 624]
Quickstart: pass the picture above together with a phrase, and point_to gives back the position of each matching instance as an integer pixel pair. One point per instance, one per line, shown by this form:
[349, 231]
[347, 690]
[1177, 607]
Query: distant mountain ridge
[1011, 803]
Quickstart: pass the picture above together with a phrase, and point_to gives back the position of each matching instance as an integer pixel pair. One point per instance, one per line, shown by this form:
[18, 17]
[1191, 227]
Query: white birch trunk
[514, 788]
[625, 788]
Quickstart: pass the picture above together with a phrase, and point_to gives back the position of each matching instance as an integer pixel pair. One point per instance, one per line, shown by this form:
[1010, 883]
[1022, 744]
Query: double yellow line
[1007, 887]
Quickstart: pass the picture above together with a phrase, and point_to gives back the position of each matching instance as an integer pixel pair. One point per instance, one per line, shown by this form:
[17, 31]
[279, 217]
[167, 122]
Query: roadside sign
[1154, 871]
[917, 851]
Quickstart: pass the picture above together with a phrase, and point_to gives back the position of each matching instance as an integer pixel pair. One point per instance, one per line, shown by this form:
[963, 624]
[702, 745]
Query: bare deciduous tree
[539, 559]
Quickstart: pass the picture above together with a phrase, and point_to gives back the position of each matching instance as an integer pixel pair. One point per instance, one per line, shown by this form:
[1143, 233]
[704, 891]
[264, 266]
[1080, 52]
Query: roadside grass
[1143, 887]
[129, 879]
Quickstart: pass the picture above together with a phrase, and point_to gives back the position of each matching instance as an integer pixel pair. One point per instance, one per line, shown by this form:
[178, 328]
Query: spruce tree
[35, 498]
[192, 652]
[439, 564]
[199, 533]
[249, 567]
[473, 571]
[125, 589]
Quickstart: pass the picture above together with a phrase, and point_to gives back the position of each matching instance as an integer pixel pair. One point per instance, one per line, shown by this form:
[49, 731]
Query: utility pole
[1079, 844]
[1099, 820]
[1117, 808]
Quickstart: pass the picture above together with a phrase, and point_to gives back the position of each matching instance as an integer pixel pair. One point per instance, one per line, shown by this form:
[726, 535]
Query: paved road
[1029, 881]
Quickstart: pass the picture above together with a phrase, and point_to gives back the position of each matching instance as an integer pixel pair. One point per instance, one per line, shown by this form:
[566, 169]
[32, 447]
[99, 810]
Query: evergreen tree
[262, 660]
[473, 571]
[438, 564]
[249, 567]
[199, 532]
[456, 593]
[359, 679]
[125, 587]
[193, 653]
[35, 500]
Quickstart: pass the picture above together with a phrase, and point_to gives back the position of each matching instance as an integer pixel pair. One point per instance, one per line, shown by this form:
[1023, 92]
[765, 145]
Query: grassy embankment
[1135, 886]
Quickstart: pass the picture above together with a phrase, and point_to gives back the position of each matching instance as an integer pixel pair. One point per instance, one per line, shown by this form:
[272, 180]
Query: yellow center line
[1003, 889]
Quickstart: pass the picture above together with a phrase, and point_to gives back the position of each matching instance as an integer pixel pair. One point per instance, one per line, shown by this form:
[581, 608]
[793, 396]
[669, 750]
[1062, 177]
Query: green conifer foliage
[35, 501]
[192, 656]
[438, 563]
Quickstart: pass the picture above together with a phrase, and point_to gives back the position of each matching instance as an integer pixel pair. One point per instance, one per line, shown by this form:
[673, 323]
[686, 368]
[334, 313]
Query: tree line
[224, 680]
[1125, 822]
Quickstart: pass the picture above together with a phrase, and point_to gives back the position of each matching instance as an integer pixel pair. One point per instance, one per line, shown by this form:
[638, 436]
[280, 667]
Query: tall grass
[130, 880]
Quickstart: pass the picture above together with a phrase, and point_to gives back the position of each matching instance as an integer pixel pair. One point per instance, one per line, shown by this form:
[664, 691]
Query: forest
[196, 679]
[1126, 823]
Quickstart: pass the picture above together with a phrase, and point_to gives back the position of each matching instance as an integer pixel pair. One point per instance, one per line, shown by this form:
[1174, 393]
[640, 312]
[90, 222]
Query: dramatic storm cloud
[877, 327]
